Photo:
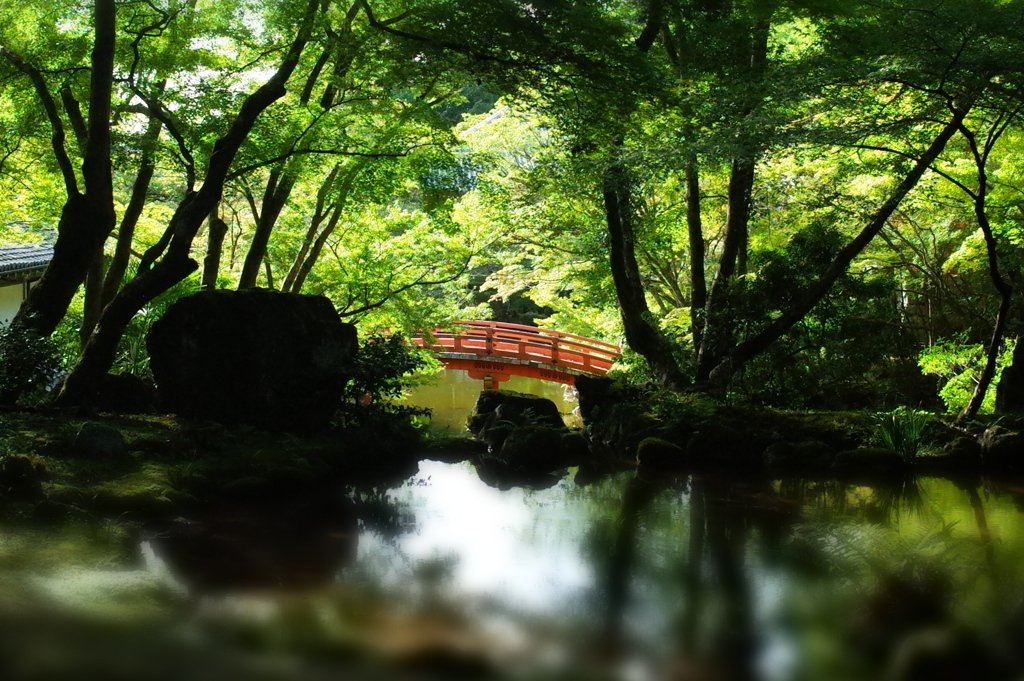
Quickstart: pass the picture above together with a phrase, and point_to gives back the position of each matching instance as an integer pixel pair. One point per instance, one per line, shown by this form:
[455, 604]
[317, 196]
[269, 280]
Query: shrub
[29, 364]
[381, 372]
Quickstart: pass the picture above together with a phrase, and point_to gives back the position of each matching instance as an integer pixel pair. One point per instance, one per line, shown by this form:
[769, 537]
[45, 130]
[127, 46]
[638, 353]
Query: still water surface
[619, 579]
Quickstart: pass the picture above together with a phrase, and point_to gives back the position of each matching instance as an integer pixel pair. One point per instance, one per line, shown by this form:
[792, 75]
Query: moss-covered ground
[168, 466]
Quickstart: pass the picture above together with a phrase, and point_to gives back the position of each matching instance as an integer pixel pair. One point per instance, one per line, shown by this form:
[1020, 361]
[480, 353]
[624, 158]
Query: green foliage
[690, 408]
[381, 371]
[957, 363]
[901, 430]
[28, 365]
[837, 356]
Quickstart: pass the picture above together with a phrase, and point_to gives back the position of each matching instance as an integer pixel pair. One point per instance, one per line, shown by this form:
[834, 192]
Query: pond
[445, 577]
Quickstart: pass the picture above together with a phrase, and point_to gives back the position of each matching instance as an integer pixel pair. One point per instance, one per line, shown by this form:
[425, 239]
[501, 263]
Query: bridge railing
[526, 343]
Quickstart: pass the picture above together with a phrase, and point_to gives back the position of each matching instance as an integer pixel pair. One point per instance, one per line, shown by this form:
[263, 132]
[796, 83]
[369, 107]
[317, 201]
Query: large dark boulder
[265, 358]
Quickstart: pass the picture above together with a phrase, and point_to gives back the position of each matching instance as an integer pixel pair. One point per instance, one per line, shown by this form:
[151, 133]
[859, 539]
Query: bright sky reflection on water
[516, 543]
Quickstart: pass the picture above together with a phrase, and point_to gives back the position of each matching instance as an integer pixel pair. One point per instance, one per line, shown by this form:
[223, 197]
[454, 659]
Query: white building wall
[10, 300]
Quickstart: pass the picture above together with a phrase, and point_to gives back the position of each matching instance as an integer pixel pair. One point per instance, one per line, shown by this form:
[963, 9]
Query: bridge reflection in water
[488, 355]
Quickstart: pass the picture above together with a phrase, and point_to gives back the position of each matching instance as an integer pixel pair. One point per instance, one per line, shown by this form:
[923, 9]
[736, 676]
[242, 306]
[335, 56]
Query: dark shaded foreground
[623, 578]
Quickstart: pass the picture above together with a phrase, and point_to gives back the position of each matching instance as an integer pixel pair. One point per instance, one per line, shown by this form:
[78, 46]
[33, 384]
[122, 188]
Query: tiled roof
[14, 259]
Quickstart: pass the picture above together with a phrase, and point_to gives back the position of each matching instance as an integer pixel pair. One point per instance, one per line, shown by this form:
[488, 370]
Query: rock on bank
[269, 359]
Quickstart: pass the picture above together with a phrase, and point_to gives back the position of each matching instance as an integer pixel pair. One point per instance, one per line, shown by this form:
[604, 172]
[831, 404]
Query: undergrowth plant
[902, 431]
[29, 364]
[382, 370]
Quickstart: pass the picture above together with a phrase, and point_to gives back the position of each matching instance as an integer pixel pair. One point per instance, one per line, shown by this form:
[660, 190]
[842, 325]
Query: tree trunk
[319, 215]
[1001, 285]
[695, 230]
[176, 263]
[217, 229]
[101, 351]
[719, 334]
[279, 188]
[1010, 392]
[641, 333]
[719, 330]
[307, 258]
[48, 301]
[87, 218]
[92, 306]
[126, 230]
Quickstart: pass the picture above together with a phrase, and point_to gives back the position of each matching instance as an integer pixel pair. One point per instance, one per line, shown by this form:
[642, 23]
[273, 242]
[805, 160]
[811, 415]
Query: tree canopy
[798, 202]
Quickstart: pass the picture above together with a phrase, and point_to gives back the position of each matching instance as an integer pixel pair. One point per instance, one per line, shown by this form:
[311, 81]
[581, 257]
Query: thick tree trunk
[87, 218]
[176, 263]
[92, 305]
[48, 301]
[279, 188]
[101, 350]
[641, 333]
[216, 230]
[719, 332]
[1010, 392]
[748, 349]
[695, 231]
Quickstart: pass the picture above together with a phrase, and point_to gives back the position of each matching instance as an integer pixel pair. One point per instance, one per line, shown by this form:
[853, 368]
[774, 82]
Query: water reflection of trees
[714, 630]
[895, 579]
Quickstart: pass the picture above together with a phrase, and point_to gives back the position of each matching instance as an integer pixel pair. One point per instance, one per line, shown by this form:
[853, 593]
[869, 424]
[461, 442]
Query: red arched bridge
[493, 352]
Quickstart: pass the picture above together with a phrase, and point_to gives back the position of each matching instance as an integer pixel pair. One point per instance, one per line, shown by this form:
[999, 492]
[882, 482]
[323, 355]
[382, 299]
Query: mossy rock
[576, 449]
[521, 407]
[141, 503]
[533, 448]
[961, 454]
[718, 445]
[99, 442]
[799, 458]
[655, 455]
[64, 494]
[144, 493]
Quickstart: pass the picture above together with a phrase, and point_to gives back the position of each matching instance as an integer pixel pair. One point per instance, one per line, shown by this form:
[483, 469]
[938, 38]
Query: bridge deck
[518, 349]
